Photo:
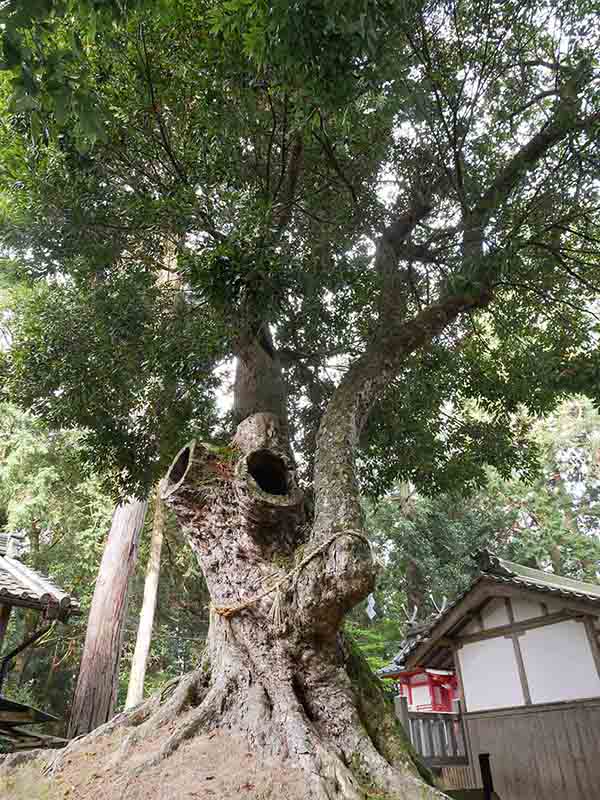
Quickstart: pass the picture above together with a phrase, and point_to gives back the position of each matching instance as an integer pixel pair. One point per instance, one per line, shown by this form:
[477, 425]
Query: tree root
[144, 717]
[334, 749]
[187, 692]
[196, 720]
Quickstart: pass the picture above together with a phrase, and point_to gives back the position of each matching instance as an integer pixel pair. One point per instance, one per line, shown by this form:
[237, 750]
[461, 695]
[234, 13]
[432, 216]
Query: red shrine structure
[427, 689]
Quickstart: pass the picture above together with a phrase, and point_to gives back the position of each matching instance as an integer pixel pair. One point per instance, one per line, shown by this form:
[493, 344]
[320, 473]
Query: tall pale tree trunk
[135, 691]
[96, 690]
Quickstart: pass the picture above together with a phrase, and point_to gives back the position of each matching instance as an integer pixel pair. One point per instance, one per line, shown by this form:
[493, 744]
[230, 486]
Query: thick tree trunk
[259, 385]
[415, 590]
[135, 691]
[294, 692]
[96, 690]
[276, 669]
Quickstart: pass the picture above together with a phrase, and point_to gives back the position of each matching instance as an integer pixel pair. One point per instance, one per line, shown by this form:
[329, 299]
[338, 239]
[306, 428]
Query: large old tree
[387, 212]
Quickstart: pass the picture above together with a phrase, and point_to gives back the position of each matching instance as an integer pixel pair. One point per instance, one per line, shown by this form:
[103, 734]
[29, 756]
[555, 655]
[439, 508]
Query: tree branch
[282, 212]
[523, 161]
[349, 572]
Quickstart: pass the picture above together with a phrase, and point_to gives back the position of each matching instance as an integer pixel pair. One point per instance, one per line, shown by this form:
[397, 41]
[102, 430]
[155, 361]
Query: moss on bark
[377, 714]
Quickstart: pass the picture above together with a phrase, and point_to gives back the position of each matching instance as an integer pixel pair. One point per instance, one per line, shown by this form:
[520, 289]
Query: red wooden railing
[447, 707]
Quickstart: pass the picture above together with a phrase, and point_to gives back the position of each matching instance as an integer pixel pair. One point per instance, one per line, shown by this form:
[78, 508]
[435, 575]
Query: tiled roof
[22, 586]
[498, 570]
[507, 571]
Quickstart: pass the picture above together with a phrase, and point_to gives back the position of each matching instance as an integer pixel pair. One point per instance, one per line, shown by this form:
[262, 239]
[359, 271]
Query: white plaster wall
[558, 663]
[495, 614]
[420, 696]
[526, 609]
[490, 675]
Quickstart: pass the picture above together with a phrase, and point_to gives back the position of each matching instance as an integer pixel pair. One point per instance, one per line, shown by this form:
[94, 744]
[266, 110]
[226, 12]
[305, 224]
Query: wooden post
[521, 668]
[416, 737]
[401, 709]
[593, 641]
[4, 617]
[457, 669]
[96, 690]
[451, 737]
[486, 776]
[428, 723]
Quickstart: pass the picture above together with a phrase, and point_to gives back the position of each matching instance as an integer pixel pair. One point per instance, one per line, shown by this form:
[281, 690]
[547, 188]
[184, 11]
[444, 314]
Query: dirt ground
[211, 767]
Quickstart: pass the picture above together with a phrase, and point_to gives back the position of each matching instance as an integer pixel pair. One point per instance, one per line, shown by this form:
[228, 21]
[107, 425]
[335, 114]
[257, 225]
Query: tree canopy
[269, 148]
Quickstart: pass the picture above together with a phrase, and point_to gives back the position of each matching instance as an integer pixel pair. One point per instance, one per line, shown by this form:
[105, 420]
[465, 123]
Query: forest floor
[211, 767]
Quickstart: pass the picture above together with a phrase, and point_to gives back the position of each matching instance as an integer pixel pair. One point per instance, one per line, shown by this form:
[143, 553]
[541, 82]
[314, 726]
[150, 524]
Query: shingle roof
[499, 570]
[21, 585]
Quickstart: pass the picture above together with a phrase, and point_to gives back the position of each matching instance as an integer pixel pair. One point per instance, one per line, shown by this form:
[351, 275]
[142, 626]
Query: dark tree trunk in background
[96, 690]
[415, 589]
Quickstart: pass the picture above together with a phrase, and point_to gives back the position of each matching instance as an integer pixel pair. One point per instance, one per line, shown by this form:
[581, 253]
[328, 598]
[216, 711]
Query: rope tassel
[277, 610]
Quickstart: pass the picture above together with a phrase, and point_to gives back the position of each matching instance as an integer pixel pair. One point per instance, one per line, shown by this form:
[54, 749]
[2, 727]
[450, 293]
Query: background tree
[49, 494]
[135, 690]
[263, 136]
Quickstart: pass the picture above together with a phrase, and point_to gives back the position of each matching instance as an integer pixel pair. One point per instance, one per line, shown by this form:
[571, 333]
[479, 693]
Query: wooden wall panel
[543, 752]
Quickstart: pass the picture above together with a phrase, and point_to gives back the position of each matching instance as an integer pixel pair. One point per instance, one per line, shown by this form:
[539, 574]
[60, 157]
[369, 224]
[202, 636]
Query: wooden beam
[592, 639]
[518, 627]
[4, 617]
[521, 668]
[470, 603]
[518, 654]
[537, 708]
[539, 595]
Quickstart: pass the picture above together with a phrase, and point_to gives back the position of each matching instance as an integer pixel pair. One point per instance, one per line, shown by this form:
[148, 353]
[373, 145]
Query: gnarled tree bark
[285, 686]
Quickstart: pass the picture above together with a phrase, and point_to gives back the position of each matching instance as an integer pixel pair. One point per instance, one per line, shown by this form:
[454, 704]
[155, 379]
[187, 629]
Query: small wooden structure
[23, 587]
[524, 647]
[427, 690]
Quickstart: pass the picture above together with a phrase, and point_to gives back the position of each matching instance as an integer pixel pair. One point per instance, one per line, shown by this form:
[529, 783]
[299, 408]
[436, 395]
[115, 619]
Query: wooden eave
[23, 587]
[436, 650]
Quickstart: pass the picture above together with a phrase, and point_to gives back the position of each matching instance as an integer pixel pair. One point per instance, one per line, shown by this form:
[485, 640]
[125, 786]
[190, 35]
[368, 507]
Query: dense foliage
[267, 146]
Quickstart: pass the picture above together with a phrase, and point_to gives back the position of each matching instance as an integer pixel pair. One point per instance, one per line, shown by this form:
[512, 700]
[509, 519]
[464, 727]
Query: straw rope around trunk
[230, 611]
